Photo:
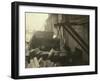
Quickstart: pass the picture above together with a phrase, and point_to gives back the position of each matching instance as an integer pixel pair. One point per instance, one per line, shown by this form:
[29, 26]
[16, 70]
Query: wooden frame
[15, 39]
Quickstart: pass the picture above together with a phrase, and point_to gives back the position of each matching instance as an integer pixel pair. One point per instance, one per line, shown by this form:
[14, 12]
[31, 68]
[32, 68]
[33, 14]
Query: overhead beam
[75, 35]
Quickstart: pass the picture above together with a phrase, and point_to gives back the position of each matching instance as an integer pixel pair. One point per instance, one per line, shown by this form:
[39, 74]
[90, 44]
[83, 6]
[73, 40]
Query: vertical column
[61, 32]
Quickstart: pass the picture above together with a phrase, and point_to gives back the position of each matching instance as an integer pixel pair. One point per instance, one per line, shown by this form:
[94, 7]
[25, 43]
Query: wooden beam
[75, 35]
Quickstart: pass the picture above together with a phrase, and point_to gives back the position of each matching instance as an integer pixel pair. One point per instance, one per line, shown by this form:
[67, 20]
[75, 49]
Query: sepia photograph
[55, 40]
[50, 40]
